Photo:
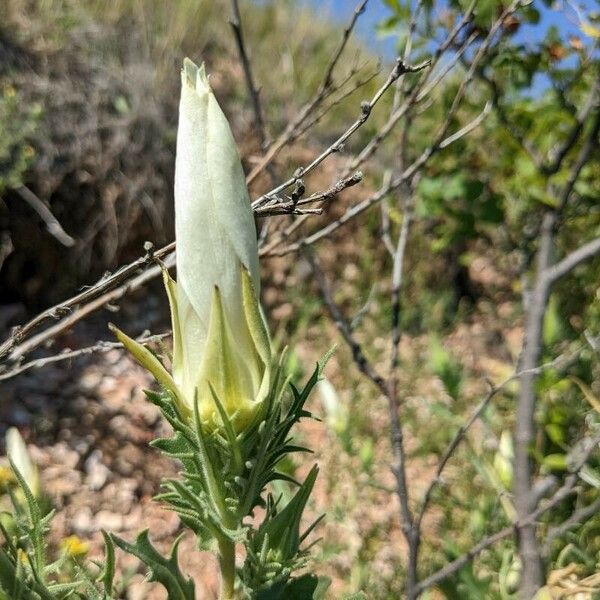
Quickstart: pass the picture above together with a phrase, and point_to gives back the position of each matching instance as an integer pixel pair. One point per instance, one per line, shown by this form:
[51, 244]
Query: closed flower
[221, 347]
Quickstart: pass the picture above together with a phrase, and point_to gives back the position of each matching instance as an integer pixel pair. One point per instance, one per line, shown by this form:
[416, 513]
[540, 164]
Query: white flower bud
[16, 450]
[220, 342]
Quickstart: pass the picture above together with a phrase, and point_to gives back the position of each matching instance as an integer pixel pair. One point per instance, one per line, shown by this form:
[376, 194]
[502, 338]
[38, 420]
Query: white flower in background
[16, 450]
[336, 414]
[220, 340]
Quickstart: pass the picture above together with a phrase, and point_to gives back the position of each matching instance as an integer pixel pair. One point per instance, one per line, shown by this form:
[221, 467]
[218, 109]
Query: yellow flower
[7, 477]
[73, 546]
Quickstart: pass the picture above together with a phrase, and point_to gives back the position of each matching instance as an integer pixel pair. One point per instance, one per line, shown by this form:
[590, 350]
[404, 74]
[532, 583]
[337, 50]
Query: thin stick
[102, 346]
[394, 404]
[289, 205]
[391, 185]
[89, 307]
[53, 226]
[89, 294]
[236, 25]
[322, 92]
[366, 108]
[363, 364]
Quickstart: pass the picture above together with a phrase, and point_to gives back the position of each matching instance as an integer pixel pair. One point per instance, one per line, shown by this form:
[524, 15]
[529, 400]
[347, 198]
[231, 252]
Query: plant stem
[227, 564]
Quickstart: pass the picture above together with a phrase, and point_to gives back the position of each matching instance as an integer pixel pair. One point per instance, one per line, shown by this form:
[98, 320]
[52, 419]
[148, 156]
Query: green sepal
[177, 361]
[147, 360]
[255, 320]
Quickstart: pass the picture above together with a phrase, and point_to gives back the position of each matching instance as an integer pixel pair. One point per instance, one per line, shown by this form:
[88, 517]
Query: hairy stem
[227, 564]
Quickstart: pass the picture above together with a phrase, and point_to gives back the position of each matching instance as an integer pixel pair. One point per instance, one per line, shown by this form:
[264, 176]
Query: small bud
[16, 450]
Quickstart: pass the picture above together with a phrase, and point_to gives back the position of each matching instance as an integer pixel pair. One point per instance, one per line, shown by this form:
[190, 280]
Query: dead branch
[9, 346]
[365, 110]
[272, 249]
[102, 346]
[530, 519]
[291, 204]
[236, 25]
[323, 91]
[90, 306]
[53, 226]
[343, 325]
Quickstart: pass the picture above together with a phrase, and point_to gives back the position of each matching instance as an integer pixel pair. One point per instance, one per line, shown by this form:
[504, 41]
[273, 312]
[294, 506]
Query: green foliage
[273, 550]
[17, 123]
[463, 206]
[446, 368]
[26, 572]
[224, 479]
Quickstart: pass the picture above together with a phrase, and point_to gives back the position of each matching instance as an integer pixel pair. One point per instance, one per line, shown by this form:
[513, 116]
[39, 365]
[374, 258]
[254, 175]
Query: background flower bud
[16, 450]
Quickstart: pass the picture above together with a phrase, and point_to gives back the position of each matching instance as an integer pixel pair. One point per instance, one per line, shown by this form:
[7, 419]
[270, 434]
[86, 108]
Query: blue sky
[564, 20]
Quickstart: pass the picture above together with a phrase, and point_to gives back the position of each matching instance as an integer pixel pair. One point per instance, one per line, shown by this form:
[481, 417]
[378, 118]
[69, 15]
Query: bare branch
[89, 294]
[236, 25]
[366, 107]
[342, 324]
[328, 77]
[52, 225]
[468, 127]
[394, 403]
[102, 346]
[389, 185]
[290, 204]
[417, 95]
[525, 427]
[93, 302]
[397, 114]
[590, 144]
[323, 91]
[586, 110]
[563, 492]
[577, 517]
[335, 102]
[567, 264]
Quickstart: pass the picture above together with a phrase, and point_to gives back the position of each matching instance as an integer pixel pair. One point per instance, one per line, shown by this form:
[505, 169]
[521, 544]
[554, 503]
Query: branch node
[149, 249]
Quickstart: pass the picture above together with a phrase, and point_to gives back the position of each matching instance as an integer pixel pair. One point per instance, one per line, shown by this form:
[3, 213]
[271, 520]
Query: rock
[97, 472]
[109, 521]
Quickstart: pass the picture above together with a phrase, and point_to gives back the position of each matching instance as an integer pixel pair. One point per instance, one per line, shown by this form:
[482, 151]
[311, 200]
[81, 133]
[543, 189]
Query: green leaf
[37, 523]
[555, 462]
[307, 587]
[162, 570]
[108, 574]
[284, 528]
